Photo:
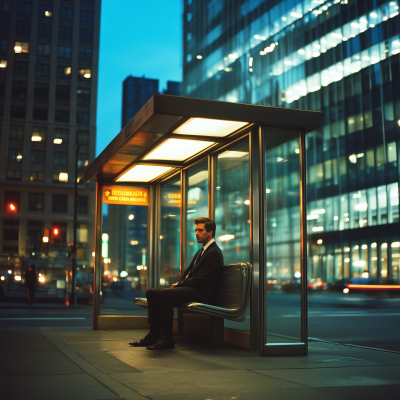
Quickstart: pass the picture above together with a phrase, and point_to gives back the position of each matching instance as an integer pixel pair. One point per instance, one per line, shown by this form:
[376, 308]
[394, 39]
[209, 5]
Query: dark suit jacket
[204, 275]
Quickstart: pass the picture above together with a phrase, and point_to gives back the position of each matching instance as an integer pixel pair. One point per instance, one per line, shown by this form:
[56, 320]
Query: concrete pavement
[100, 365]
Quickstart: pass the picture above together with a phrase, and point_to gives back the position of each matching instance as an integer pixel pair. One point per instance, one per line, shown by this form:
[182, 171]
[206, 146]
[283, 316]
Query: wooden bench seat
[233, 297]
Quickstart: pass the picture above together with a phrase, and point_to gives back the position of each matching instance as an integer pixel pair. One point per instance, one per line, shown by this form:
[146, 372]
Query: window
[16, 132]
[61, 136]
[83, 160]
[10, 235]
[44, 30]
[14, 174]
[84, 74]
[60, 203]
[60, 158]
[45, 10]
[17, 112]
[5, 6]
[66, 13]
[34, 237]
[2, 87]
[82, 118]
[82, 233]
[83, 97]
[87, 1]
[24, 8]
[23, 27]
[38, 157]
[4, 25]
[61, 116]
[39, 134]
[39, 114]
[36, 202]
[62, 94]
[37, 176]
[82, 206]
[42, 69]
[43, 49]
[86, 16]
[12, 197]
[21, 67]
[86, 35]
[60, 177]
[14, 154]
[64, 52]
[82, 138]
[21, 47]
[41, 92]
[65, 32]
[63, 72]
[19, 90]
[85, 54]
[3, 43]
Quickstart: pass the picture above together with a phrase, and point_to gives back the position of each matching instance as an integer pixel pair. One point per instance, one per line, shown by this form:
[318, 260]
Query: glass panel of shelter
[124, 265]
[232, 210]
[283, 242]
[169, 232]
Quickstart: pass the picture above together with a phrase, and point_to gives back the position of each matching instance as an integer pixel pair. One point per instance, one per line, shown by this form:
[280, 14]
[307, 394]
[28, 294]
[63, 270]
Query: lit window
[21, 47]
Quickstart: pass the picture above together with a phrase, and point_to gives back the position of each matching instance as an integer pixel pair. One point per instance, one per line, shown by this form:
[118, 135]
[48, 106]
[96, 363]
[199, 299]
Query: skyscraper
[48, 83]
[340, 57]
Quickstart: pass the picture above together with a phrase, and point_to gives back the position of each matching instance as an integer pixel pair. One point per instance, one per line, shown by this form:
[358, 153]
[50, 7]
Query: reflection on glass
[283, 258]
[232, 210]
[170, 231]
[124, 258]
[197, 204]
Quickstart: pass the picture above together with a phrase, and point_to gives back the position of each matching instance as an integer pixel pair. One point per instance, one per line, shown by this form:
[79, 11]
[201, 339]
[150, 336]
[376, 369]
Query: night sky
[136, 38]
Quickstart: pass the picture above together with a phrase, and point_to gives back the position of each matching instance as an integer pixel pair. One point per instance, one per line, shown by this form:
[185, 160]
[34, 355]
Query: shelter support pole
[97, 256]
[303, 241]
[257, 300]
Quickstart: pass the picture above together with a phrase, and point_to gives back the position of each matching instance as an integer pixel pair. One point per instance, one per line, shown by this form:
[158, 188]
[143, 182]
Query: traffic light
[12, 208]
[55, 232]
[46, 236]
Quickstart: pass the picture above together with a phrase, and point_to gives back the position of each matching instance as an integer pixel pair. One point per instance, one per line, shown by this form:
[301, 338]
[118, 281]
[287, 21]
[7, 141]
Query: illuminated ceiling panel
[143, 173]
[233, 154]
[177, 149]
[209, 127]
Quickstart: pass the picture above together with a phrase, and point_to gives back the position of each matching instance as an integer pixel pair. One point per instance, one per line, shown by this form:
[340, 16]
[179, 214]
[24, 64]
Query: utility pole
[72, 299]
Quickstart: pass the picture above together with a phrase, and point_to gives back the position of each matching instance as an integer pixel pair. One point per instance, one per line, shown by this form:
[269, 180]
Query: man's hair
[209, 224]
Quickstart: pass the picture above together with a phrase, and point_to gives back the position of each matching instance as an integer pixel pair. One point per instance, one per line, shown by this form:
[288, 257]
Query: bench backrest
[234, 286]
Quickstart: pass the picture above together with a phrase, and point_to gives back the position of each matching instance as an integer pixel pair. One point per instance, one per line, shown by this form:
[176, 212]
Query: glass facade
[340, 57]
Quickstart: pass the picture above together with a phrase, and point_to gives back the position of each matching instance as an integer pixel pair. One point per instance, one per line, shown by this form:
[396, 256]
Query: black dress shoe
[145, 341]
[162, 344]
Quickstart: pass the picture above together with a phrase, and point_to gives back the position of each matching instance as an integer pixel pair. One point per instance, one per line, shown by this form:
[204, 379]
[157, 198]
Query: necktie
[195, 261]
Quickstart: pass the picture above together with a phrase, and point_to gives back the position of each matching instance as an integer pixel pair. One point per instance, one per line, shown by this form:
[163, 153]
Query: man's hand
[174, 284]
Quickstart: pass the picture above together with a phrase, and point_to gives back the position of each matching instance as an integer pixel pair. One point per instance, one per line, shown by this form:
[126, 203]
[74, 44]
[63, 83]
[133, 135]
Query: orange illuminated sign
[171, 199]
[373, 287]
[125, 195]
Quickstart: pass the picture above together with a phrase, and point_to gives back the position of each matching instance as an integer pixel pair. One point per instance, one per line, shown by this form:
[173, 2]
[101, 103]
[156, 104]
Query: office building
[340, 57]
[48, 82]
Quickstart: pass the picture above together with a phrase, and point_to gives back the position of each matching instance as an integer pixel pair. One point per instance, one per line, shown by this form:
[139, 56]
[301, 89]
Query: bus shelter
[242, 165]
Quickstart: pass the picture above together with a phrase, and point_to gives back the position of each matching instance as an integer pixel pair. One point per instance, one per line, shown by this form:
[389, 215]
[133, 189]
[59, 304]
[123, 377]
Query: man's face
[202, 235]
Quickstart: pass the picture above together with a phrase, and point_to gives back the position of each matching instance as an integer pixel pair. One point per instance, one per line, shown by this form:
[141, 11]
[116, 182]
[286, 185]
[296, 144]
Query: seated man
[198, 284]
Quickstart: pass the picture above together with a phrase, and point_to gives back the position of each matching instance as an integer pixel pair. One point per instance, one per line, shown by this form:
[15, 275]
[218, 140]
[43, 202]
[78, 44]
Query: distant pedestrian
[31, 281]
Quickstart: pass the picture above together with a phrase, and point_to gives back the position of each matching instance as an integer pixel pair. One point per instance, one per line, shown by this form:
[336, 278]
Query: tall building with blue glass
[340, 57]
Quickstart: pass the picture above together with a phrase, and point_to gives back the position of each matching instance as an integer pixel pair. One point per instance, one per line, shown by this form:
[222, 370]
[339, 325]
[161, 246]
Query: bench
[231, 303]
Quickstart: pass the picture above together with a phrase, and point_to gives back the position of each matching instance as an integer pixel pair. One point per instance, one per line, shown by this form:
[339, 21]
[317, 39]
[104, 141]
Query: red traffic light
[12, 208]
[56, 231]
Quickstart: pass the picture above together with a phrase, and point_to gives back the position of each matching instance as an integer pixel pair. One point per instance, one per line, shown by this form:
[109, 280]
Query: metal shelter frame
[160, 120]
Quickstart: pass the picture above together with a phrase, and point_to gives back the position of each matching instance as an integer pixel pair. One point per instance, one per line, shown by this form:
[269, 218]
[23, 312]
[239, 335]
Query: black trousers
[161, 303]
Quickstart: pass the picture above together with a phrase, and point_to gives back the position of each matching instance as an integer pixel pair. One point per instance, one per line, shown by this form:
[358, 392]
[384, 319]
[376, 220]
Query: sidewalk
[101, 365]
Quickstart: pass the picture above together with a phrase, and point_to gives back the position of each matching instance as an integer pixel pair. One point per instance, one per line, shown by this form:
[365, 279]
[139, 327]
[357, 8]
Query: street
[349, 319]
